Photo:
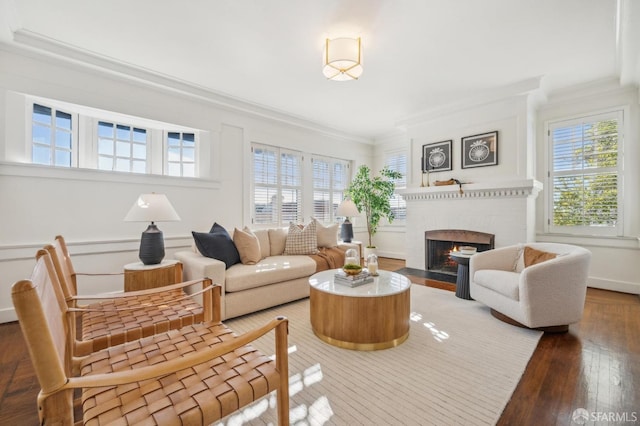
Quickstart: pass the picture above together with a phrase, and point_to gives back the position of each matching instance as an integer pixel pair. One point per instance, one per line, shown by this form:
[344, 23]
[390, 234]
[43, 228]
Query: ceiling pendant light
[342, 59]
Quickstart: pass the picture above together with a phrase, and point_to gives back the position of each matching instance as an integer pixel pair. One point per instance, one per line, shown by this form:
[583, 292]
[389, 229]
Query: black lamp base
[346, 231]
[151, 246]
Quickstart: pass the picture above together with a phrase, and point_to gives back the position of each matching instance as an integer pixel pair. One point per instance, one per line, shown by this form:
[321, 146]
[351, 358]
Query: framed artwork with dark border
[436, 157]
[480, 150]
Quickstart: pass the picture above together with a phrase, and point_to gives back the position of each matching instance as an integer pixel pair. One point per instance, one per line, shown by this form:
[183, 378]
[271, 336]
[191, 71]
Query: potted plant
[371, 195]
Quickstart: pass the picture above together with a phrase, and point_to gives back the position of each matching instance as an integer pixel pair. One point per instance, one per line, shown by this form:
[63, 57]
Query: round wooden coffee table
[369, 317]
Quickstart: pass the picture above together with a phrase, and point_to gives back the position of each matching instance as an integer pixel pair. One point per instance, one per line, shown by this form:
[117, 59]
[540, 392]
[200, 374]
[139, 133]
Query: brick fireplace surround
[503, 208]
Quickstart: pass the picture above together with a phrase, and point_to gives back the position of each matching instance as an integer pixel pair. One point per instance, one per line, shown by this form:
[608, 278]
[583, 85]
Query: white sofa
[274, 280]
[549, 294]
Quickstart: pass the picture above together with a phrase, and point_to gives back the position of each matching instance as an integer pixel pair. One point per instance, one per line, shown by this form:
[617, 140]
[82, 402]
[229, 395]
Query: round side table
[462, 282]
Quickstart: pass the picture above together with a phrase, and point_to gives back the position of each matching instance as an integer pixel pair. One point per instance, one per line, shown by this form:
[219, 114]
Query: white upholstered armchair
[548, 295]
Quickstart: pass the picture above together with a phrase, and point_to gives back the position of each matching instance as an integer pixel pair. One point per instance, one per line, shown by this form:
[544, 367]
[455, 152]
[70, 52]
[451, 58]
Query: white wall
[88, 206]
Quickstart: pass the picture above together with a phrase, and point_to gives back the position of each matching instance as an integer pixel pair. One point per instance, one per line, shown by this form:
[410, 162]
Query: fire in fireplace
[439, 243]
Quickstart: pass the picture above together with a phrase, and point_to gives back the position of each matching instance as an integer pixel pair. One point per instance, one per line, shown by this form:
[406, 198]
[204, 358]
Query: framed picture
[436, 157]
[480, 150]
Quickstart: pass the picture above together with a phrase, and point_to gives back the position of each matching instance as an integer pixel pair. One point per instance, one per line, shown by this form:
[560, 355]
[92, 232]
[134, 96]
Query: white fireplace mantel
[505, 208]
[493, 189]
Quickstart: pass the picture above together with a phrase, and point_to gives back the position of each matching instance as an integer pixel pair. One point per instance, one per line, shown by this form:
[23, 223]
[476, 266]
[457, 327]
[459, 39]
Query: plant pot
[368, 251]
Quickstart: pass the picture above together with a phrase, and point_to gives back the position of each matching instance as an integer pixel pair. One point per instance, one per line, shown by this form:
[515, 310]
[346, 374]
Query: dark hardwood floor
[595, 366]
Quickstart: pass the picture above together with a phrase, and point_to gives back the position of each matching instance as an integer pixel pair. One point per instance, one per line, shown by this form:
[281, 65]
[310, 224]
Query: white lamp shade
[342, 59]
[152, 208]
[347, 208]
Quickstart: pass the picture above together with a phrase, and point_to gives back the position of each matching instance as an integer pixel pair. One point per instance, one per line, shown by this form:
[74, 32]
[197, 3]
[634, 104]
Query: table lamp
[347, 209]
[152, 208]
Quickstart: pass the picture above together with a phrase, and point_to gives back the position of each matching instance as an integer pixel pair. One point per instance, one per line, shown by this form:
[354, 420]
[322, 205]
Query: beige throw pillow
[263, 239]
[248, 246]
[302, 241]
[277, 241]
[327, 235]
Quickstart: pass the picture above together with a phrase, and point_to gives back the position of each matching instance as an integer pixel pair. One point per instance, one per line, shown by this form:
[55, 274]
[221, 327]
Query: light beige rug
[459, 366]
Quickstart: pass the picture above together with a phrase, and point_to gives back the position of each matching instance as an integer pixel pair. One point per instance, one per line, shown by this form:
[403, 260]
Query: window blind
[397, 161]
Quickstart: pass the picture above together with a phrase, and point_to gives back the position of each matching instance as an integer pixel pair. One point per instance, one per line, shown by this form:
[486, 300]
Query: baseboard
[8, 315]
[621, 286]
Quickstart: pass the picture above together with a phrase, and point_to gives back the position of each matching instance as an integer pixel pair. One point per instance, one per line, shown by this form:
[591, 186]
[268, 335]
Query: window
[585, 175]
[122, 148]
[330, 179]
[62, 134]
[181, 154]
[397, 161]
[51, 137]
[277, 185]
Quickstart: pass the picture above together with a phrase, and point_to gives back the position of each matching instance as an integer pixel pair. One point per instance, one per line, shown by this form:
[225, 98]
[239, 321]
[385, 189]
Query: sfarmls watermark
[581, 416]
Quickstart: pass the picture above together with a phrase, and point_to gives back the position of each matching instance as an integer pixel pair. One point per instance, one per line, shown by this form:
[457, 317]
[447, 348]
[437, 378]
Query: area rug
[459, 366]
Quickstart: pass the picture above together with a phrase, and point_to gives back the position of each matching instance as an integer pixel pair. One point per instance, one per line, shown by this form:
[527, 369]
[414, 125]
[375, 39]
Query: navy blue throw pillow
[217, 244]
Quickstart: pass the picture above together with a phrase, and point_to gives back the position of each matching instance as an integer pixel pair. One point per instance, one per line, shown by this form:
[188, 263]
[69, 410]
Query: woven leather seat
[194, 375]
[120, 318]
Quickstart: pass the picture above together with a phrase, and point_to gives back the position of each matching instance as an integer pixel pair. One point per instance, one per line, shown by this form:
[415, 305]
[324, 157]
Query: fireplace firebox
[439, 243]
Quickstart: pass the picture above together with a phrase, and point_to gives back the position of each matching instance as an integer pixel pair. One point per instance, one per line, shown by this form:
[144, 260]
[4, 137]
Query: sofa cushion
[327, 235]
[277, 241]
[273, 269]
[301, 241]
[503, 282]
[263, 239]
[217, 245]
[248, 246]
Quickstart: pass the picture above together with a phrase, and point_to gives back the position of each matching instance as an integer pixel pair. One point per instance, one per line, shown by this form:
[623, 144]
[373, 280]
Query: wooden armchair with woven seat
[193, 375]
[117, 318]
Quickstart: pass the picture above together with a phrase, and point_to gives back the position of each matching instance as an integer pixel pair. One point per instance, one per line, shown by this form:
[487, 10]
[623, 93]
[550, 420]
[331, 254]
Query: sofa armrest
[196, 266]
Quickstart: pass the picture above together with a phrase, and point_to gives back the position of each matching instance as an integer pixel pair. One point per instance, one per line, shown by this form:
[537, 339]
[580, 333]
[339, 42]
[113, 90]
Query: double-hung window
[330, 179]
[397, 161]
[277, 185]
[585, 175]
[52, 142]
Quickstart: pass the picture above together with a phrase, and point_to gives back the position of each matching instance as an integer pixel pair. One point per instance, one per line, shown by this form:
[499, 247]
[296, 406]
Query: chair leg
[282, 364]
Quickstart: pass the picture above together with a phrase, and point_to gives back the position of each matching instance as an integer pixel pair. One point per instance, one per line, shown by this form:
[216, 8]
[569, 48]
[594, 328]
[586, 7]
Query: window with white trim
[122, 148]
[585, 176]
[330, 180]
[277, 185]
[62, 134]
[181, 154]
[397, 161]
[52, 142]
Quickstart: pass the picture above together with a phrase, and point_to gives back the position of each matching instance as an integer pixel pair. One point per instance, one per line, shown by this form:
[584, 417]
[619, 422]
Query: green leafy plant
[372, 194]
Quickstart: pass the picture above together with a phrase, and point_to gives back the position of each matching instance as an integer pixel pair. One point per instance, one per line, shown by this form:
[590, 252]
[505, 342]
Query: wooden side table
[138, 276]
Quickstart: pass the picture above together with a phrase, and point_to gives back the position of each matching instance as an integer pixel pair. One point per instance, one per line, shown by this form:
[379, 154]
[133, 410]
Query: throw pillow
[248, 246]
[217, 244]
[327, 235]
[263, 239]
[277, 241]
[533, 256]
[302, 241]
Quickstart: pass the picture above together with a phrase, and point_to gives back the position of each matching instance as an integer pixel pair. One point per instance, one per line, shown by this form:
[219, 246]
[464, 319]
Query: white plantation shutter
[585, 175]
[330, 178]
[277, 185]
[397, 161]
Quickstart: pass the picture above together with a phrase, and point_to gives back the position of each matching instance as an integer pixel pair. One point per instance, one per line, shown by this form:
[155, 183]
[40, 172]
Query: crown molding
[28, 43]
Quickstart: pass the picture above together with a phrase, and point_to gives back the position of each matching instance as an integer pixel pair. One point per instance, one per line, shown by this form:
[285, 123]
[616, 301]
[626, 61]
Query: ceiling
[418, 55]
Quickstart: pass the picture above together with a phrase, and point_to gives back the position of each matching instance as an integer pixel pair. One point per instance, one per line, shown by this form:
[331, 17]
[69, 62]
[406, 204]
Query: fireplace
[439, 243]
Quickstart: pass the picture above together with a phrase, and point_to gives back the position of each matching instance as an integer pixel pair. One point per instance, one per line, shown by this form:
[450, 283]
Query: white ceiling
[418, 54]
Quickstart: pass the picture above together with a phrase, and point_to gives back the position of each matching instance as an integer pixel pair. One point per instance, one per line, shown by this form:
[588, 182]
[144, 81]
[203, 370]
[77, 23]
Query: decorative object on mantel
[372, 196]
[451, 182]
[436, 157]
[480, 150]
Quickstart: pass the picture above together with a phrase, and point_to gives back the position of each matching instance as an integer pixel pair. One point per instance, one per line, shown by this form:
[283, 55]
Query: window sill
[35, 170]
[632, 243]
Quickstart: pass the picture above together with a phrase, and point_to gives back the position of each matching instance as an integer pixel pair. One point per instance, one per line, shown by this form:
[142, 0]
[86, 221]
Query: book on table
[352, 280]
